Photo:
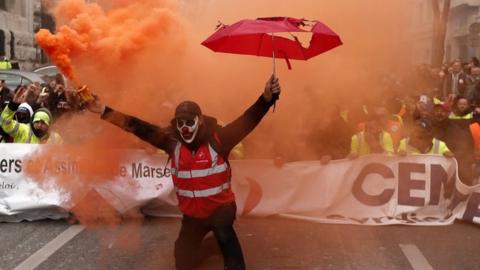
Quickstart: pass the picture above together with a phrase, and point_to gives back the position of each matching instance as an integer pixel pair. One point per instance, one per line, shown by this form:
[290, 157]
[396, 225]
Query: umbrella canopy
[257, 37]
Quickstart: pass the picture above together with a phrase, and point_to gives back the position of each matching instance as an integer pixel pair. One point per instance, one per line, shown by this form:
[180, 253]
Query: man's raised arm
[155, 135]
[236, 131]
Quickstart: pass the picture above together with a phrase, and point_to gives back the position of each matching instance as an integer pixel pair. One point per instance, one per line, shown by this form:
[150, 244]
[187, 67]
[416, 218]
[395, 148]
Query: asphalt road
[270, 243]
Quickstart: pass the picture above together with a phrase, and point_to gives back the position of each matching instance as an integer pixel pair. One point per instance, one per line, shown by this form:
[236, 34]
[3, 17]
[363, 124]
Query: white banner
[372, 190]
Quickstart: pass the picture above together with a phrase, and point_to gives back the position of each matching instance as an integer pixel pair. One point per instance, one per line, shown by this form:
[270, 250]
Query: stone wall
[17, 25]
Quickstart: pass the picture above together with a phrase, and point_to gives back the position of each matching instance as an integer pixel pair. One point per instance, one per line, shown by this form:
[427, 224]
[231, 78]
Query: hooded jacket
[23, 133]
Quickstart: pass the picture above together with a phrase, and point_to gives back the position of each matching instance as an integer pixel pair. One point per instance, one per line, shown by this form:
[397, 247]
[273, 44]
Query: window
[3, 4]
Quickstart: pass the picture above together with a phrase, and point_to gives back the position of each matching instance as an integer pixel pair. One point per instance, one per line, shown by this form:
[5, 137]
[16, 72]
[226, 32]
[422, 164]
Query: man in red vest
[198, 148]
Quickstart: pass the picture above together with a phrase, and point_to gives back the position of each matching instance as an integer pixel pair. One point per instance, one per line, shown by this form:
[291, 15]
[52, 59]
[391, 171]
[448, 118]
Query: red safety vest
[201, 179]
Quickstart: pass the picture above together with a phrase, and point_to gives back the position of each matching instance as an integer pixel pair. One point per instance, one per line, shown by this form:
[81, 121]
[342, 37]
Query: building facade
[19, 19]
[462, 40]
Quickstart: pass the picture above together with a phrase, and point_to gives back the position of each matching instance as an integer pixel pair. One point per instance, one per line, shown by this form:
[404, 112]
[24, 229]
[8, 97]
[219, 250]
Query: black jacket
[461, 82]
[167, 138]
[5, 95]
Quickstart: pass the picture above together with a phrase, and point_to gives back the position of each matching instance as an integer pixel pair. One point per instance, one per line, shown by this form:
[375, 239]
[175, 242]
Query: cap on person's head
[187, 109]
[42, 116]
[25, 107]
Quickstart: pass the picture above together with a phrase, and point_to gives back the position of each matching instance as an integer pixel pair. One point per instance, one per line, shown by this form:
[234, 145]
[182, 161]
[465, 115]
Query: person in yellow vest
[394, 109]
[395, 128]
[35, 132]
[23, 114]
[373, 140]
[459, 137]
[5, 63]
[422, 142]
[461, 109]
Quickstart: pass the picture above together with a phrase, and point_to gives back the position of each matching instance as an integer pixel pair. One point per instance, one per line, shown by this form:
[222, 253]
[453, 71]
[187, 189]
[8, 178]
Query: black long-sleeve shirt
[167, 138]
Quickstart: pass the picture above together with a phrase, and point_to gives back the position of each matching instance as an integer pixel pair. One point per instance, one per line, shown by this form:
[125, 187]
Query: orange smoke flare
[93, 44]
[58, 47]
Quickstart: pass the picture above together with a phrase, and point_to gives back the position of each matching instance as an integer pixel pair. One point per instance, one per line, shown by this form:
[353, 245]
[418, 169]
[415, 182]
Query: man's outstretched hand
[95, 105]
[20, 95]
[272, 89]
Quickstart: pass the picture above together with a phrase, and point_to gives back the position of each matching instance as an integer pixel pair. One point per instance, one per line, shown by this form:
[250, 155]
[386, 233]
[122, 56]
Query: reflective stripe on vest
[177, 155]
[203, 193]
[200, 173]
[215, 169]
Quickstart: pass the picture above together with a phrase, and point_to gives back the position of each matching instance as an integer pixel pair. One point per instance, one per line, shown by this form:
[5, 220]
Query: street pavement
[268, 243]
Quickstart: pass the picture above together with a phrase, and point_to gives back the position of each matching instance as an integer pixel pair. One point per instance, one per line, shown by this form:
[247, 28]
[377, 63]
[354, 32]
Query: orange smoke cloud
[58, 50]
[144, 57]
[99, 44]
[88, 31]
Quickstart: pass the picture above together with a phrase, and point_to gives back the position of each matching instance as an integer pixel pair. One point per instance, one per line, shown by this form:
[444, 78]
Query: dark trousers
[188, 244]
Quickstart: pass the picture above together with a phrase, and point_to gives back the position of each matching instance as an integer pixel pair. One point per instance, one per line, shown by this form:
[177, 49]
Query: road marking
[46, 251]
[415, 257]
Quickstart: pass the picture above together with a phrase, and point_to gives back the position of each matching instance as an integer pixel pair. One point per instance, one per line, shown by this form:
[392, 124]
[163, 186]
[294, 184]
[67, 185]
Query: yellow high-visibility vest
[23, 133]
[5, 65]
[454, 116]
[438, 148]
[359, 146]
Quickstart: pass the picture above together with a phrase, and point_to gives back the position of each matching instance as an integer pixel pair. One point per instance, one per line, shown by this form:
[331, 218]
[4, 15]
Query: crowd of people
[440, 114]
[28, 111]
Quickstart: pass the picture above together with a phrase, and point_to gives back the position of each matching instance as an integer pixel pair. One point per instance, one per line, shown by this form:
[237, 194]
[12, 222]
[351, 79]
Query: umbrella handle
[275, 96]
[273, 54]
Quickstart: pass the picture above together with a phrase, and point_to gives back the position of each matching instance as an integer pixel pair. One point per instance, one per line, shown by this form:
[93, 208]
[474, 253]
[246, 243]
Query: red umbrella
[257, 37]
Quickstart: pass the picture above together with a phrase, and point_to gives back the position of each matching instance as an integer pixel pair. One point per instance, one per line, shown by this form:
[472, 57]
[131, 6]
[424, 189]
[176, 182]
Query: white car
[14, 78]
[49, 73]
